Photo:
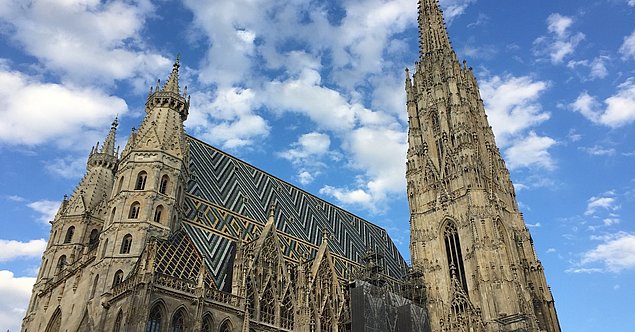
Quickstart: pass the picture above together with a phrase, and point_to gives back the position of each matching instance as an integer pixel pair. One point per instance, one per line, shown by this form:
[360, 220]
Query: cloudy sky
[312, 91]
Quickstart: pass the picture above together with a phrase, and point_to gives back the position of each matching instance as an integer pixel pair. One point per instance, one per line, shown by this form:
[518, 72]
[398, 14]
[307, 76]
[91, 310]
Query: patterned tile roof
[228, 199]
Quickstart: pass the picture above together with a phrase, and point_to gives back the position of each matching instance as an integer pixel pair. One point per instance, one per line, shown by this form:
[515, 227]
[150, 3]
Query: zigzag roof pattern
[228, 200]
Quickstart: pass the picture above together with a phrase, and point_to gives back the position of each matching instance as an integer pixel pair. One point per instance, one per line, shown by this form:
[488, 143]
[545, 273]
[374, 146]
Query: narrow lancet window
[454, 255]
[178, 321]
[69, 234]
[163, 187]
[154, 320]
[141, 181]
[61, 263]
[126, 244]
[134, 210]
[118, 278]
[157, 214]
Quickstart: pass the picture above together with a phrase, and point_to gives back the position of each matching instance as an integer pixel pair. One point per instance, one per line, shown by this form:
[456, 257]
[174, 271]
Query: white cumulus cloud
[512, 105]
[606, 201]
[513, 109]
[561, 42]
[14, 298]
[601, 202]
[615, 254]
[306, 155]
[617, 110]
[530, 151]
[227, 118]
[381, 154]
[67, 167]
[47, 210]
[12, 249]
[597, 67]
[85, 41]
[67, 116]
[628, 47]
[454, 8]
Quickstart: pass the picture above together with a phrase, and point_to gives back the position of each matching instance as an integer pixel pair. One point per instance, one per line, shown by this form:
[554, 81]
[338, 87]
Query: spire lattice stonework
[462, 202]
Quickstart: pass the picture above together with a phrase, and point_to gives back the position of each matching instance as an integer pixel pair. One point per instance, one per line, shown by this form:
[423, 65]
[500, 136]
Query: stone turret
[75, 230]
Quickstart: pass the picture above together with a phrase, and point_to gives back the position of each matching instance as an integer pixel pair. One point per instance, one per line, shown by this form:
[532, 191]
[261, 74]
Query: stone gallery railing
[125, 286]
[223, 297]
[190, 287]
[174, 283]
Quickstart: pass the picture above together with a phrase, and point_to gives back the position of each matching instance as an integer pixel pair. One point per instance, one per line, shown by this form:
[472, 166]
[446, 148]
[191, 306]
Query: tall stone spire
[433, 35]
[467, 235]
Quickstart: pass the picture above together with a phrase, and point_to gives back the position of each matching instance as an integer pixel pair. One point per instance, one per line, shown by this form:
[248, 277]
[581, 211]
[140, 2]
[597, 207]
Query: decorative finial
[272, 210]
[325, 234]
[172, 84]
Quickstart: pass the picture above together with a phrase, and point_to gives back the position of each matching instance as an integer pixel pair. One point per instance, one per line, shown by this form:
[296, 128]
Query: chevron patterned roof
[228, 199]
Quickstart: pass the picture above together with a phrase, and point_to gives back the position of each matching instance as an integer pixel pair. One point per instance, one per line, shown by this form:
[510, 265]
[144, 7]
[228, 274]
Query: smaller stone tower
[74, 234]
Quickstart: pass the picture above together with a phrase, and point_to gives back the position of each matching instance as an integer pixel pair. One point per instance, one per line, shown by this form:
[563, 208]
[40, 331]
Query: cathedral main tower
[468, 237]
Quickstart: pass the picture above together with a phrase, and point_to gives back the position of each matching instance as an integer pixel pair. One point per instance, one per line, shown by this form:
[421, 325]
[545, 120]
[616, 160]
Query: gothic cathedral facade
[173, 234]
[467, 236]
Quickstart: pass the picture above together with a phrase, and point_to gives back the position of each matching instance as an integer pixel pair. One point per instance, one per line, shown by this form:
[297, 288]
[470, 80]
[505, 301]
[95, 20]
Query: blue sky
[312, 92]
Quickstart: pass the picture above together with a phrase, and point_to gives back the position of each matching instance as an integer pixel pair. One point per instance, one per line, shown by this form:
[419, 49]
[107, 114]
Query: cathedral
[173, 234]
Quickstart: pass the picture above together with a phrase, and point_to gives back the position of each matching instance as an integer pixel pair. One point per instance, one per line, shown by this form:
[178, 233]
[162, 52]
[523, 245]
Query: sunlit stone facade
[467, 236]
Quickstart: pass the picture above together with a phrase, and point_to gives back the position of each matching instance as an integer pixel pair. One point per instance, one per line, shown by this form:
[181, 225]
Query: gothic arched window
[112, 215]
[163, 186]
[208, 323]
[120, 185]
[134, 210]
[141, 181]
[499, 229]
[94, 289]
[126, 243]
[55, 323]
[93, 238]
[454, 254]
[61, 263]
[118, 278]
[103, 251]
[157, 214]
[178, 194]
[69, 234]
[286, 311]
[118, 322]
[43, 269]
[154, 320]
[436, 127]
[225, 327]
[268, 306]
[178, 321]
